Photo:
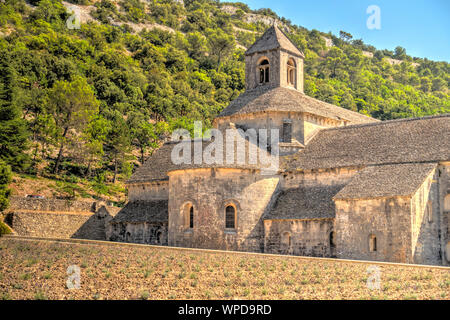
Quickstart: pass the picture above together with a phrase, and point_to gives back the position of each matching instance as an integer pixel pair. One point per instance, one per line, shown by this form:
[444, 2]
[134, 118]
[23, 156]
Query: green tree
[143, 134]
[220, 44]
[95, 136]
[197, 45]
[335, 60]
[118, 141]
[5, 180]
[345, 36]
[13, 131]
[400, 53]
[438, 84]
[425, 84]
[73, 105]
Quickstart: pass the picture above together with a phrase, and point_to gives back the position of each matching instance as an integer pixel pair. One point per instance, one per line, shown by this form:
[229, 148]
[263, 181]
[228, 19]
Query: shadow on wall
[140, 221]
[51, 218]
[145, 233]
[95, 226]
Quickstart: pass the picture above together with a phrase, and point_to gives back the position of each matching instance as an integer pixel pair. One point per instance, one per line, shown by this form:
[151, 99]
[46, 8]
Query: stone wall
[157, 190]
[425, 238]
[277, 69]
[252, 71]
[298, 78]
[21, 203]
[147, 233]
[303, 126]
[210, 191]
[332, 176]
[444, 210]
[53, 218]
[387, 219]
[304, 237]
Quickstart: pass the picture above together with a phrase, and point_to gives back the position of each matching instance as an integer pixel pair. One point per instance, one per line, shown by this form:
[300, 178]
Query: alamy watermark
[374, 20]
[74, 277]
[73, 22]
[374, 279]
[231, 147]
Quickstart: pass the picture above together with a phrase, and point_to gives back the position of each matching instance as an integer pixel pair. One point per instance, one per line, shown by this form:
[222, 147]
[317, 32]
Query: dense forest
[85, 106]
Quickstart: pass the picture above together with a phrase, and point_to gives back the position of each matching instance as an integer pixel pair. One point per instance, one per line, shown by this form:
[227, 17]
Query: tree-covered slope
[93, 102]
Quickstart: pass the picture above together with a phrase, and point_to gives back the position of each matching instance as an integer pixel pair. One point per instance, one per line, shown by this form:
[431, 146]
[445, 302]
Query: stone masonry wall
[158, 190]
[304, 126]
[444, 211]
[147, 233]
[52, 218]
[298, 83]
[21, 203]
[252, 71]
[210, 191]
[425, 222]
[308, 237]
[388, 219]
[277, 69]
[319, 177]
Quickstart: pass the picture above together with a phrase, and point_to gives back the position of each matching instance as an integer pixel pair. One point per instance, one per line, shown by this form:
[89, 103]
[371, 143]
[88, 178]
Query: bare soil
[37, 269]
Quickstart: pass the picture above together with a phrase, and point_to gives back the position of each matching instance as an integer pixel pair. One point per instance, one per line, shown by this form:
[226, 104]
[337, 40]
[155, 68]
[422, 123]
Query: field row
[57, 270]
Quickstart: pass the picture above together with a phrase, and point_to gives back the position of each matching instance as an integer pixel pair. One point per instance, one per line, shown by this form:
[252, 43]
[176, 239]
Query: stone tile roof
[386, 181]
[143, 211]
[305, 202]
[272, 98]
[397, 141]
[157, 166]
[272, 39]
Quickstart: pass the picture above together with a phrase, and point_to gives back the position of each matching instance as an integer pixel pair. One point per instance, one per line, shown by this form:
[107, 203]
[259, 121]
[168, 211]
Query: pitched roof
[160, 163]
[143, 211]
[272, 98]
[155, 167]
[397, 141]
[386, 181]
[305, 202]
[274, 38]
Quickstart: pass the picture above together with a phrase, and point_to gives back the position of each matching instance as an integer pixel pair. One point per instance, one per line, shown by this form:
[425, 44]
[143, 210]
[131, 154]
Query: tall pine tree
[13, 129]
[5, 180]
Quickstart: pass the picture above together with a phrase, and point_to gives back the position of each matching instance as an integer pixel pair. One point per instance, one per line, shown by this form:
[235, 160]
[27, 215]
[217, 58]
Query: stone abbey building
[347, 185]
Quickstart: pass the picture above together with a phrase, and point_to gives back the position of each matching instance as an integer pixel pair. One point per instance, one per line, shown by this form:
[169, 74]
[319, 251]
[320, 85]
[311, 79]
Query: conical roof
[241, 153]
[274, 98]
[274, 38]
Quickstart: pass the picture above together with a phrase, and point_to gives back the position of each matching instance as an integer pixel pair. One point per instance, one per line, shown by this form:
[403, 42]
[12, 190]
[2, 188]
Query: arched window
[191, 217]
[332, 240]
[264, 71]
[291, 72]
[372, 243]
[158, 237]
[230, 217]
[286, 239]
[188, 214]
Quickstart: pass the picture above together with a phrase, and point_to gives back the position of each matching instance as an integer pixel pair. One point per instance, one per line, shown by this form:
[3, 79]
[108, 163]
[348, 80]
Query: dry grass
[23, 185]
[38, 270]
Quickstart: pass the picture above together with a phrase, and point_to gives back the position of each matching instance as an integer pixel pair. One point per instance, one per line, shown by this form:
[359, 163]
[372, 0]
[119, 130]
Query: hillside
[37, 269]
[85, 106]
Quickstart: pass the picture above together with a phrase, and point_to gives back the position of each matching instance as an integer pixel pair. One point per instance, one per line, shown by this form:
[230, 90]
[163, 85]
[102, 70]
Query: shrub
[40, 296]
[4, 229]
[145, 295]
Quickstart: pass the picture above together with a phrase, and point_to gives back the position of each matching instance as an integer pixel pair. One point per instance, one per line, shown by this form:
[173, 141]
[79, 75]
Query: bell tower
[274, 60]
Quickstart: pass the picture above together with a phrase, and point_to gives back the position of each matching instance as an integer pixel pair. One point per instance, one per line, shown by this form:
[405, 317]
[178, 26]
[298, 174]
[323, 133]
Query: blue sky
[421, 27]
